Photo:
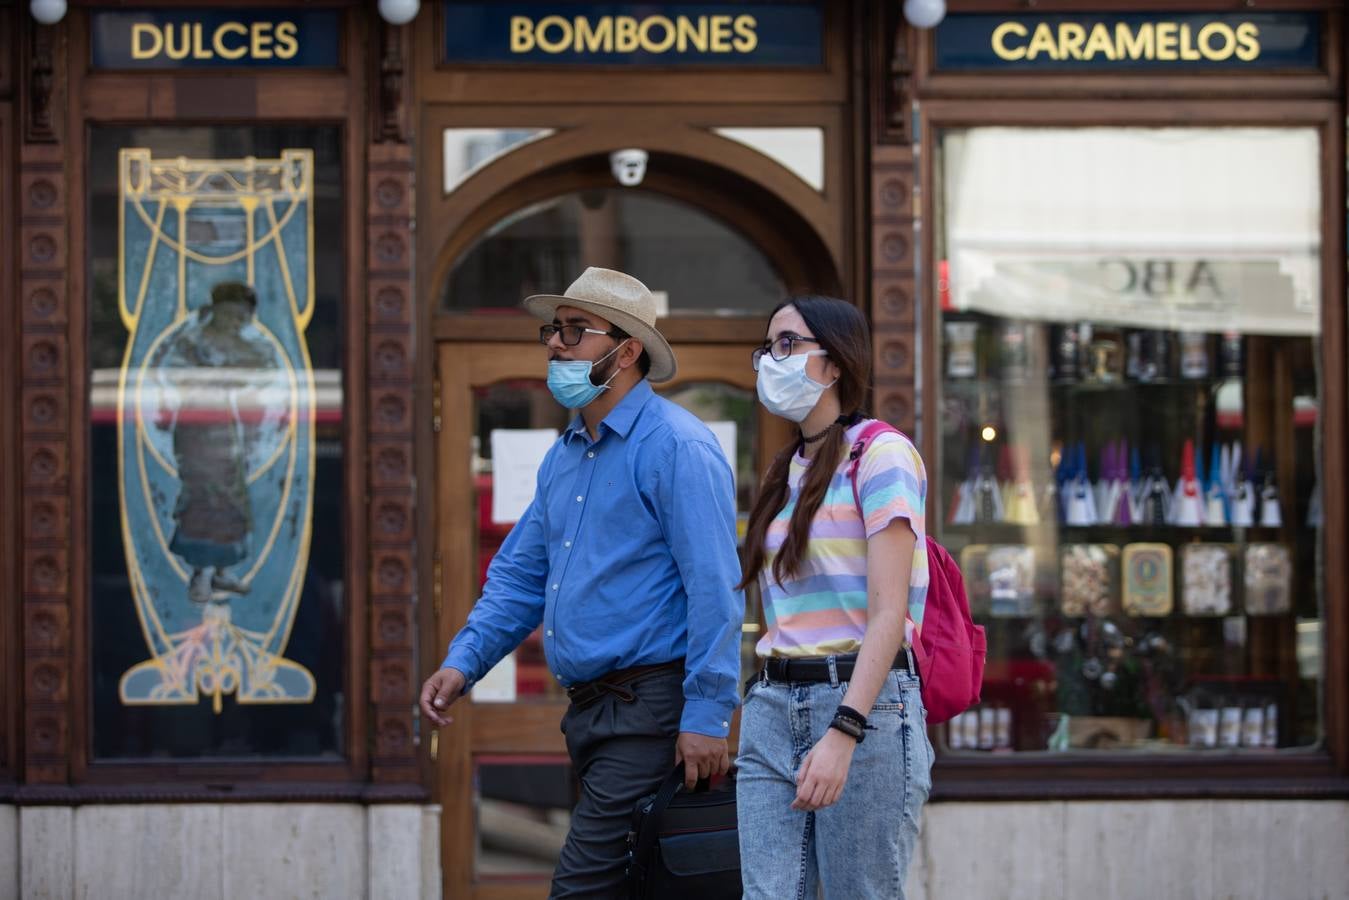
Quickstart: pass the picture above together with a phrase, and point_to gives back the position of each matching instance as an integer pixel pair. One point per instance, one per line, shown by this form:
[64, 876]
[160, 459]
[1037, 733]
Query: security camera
[629, 166]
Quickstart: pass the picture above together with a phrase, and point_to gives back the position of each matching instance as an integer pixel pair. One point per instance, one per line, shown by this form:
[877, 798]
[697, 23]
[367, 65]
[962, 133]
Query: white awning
[1207, 229]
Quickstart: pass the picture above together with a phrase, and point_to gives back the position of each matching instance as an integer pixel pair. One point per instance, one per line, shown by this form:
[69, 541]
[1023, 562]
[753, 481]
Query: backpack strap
[859, 449]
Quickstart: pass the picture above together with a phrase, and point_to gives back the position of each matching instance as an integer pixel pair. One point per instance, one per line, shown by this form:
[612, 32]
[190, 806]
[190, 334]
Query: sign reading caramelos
[1162, 41]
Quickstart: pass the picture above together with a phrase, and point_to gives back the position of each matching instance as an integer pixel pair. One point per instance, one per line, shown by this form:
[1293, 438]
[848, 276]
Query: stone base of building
[215, 851]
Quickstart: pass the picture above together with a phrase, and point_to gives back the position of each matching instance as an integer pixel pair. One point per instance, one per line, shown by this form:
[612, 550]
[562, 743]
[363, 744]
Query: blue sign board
[778, 35]
[1101, 42]
[215, 38]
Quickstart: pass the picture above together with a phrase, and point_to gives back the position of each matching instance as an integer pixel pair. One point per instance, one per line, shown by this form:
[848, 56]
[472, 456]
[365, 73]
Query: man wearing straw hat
[627, 557]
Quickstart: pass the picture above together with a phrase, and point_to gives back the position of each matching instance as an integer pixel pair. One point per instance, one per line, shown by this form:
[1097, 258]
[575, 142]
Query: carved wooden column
[44, 367]
[894, 243]
[389, 314]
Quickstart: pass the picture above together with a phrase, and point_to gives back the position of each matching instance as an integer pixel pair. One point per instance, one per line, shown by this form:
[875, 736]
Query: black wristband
[849, 727]
[848, 712]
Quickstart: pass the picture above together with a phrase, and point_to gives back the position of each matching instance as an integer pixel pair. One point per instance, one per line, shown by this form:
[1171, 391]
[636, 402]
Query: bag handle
[646, 841]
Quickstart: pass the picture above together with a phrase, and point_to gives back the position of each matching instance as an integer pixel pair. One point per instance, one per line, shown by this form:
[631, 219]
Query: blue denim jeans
[861, 846]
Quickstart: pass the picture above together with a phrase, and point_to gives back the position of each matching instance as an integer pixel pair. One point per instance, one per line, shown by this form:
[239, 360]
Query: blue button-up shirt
[627, 556]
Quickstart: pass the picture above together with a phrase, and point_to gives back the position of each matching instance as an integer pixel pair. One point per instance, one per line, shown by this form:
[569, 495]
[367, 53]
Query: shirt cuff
[466, 661]
[707, 717]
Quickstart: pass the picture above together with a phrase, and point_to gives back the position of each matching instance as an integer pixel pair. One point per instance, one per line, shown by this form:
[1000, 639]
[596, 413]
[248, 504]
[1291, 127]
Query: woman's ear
[832, 370]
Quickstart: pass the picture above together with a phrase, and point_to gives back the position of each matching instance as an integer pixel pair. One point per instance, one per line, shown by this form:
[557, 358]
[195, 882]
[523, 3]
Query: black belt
[587, 692]
[778, 668]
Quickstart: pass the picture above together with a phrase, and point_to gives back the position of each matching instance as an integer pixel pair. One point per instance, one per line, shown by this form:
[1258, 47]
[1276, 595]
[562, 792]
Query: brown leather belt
[587, 693]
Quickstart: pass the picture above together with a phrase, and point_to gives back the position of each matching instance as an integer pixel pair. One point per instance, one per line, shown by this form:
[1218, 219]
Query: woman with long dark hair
[834, 763]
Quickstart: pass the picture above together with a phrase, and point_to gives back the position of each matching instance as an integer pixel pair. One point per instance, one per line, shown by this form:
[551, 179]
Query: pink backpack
[950, 650]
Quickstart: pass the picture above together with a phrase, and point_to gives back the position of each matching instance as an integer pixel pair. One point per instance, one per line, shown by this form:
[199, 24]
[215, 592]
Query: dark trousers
[621, 751]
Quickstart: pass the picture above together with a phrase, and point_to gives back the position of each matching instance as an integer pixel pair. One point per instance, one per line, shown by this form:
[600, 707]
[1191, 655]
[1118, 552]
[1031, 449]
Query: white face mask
[784, 387]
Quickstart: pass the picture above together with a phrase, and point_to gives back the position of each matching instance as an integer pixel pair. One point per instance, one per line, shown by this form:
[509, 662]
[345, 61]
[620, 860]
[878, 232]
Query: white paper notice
[498, 685]
[725, 432]
[516, 456]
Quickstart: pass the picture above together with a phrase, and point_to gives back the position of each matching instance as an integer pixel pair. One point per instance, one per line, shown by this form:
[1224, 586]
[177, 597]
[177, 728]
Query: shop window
[799, 149]
[466, 150]
[1130, 434]
[523, 811]
[697, 264]
[217, 617]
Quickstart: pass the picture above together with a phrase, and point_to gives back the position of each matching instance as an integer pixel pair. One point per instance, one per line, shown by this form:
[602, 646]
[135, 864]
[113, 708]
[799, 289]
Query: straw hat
[622, 300]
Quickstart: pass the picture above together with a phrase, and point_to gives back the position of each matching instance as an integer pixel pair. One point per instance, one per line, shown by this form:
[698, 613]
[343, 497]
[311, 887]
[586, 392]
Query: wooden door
[505, 783]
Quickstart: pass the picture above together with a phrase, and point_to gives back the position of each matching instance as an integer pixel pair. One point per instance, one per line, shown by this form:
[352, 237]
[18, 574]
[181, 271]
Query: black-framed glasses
[779, 349]
[571, 334]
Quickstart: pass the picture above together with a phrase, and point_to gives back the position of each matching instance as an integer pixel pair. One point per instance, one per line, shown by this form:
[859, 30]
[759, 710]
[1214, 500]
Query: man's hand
[439, 694]
[702, 757]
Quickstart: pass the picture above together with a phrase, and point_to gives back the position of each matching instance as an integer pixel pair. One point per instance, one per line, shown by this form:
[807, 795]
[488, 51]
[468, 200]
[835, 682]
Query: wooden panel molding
[893, 179]
[391, 361]
[44, 365]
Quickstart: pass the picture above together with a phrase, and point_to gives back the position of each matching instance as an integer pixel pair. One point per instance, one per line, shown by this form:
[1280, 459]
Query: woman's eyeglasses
[571, 334]
[779, 349]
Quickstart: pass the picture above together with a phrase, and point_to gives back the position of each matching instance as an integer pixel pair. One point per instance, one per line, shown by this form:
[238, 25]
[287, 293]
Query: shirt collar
[621, 418]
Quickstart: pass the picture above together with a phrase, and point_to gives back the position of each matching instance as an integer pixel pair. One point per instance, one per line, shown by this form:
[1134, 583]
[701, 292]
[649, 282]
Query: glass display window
[1130, 434]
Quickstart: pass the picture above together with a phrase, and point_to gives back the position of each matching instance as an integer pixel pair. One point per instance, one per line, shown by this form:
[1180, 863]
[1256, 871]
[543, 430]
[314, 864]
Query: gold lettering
[286, 44]
[182, 50]
[667, 28]
[141, 31]
[1134, 46]
[1042, 42]
[748, 39]
[1248, 41]
[597, 38]
[721, 34]
[1000, 47]
[1071, 36]
[1166, 41]
[522, 34]
[693, 32]
[625, 34]
[199, 51]
[1187, 50]
[1099, 43]
[541, 34]
[1229, 41]
[262, 40]
[218, 39]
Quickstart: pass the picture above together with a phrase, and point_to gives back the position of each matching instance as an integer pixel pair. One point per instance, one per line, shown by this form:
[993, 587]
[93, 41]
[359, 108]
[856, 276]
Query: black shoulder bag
[684, 844]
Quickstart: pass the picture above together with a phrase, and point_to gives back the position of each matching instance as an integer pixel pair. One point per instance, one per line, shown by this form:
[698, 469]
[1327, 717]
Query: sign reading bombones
[635, 34]
[185, 38]
[1129, 41]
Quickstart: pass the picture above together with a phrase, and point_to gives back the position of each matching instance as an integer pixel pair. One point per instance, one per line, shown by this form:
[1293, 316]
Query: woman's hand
[824, 771]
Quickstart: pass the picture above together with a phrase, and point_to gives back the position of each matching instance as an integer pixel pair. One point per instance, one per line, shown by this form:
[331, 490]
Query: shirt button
[723, 724]
[579, 498]
[554, 587]
[550, 632]
[566, 543]
[591, 454]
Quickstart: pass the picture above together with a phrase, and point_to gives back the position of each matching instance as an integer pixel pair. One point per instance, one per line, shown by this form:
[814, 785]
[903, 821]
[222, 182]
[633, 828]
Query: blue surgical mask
[569, 380]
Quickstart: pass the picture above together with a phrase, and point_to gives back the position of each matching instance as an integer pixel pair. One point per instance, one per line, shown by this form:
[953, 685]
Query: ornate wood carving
[389, 343]
[44, 423]
[893, 178]
[38, 122]
[390, 85]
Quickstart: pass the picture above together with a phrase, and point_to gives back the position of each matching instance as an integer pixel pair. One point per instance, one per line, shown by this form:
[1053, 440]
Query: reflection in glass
[523, 813]
[469, 149]
[697, 263]
[1130, 433]
[217, 608]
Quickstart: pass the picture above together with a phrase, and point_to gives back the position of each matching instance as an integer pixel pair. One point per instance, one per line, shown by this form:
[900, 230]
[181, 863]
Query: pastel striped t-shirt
[823, 609]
